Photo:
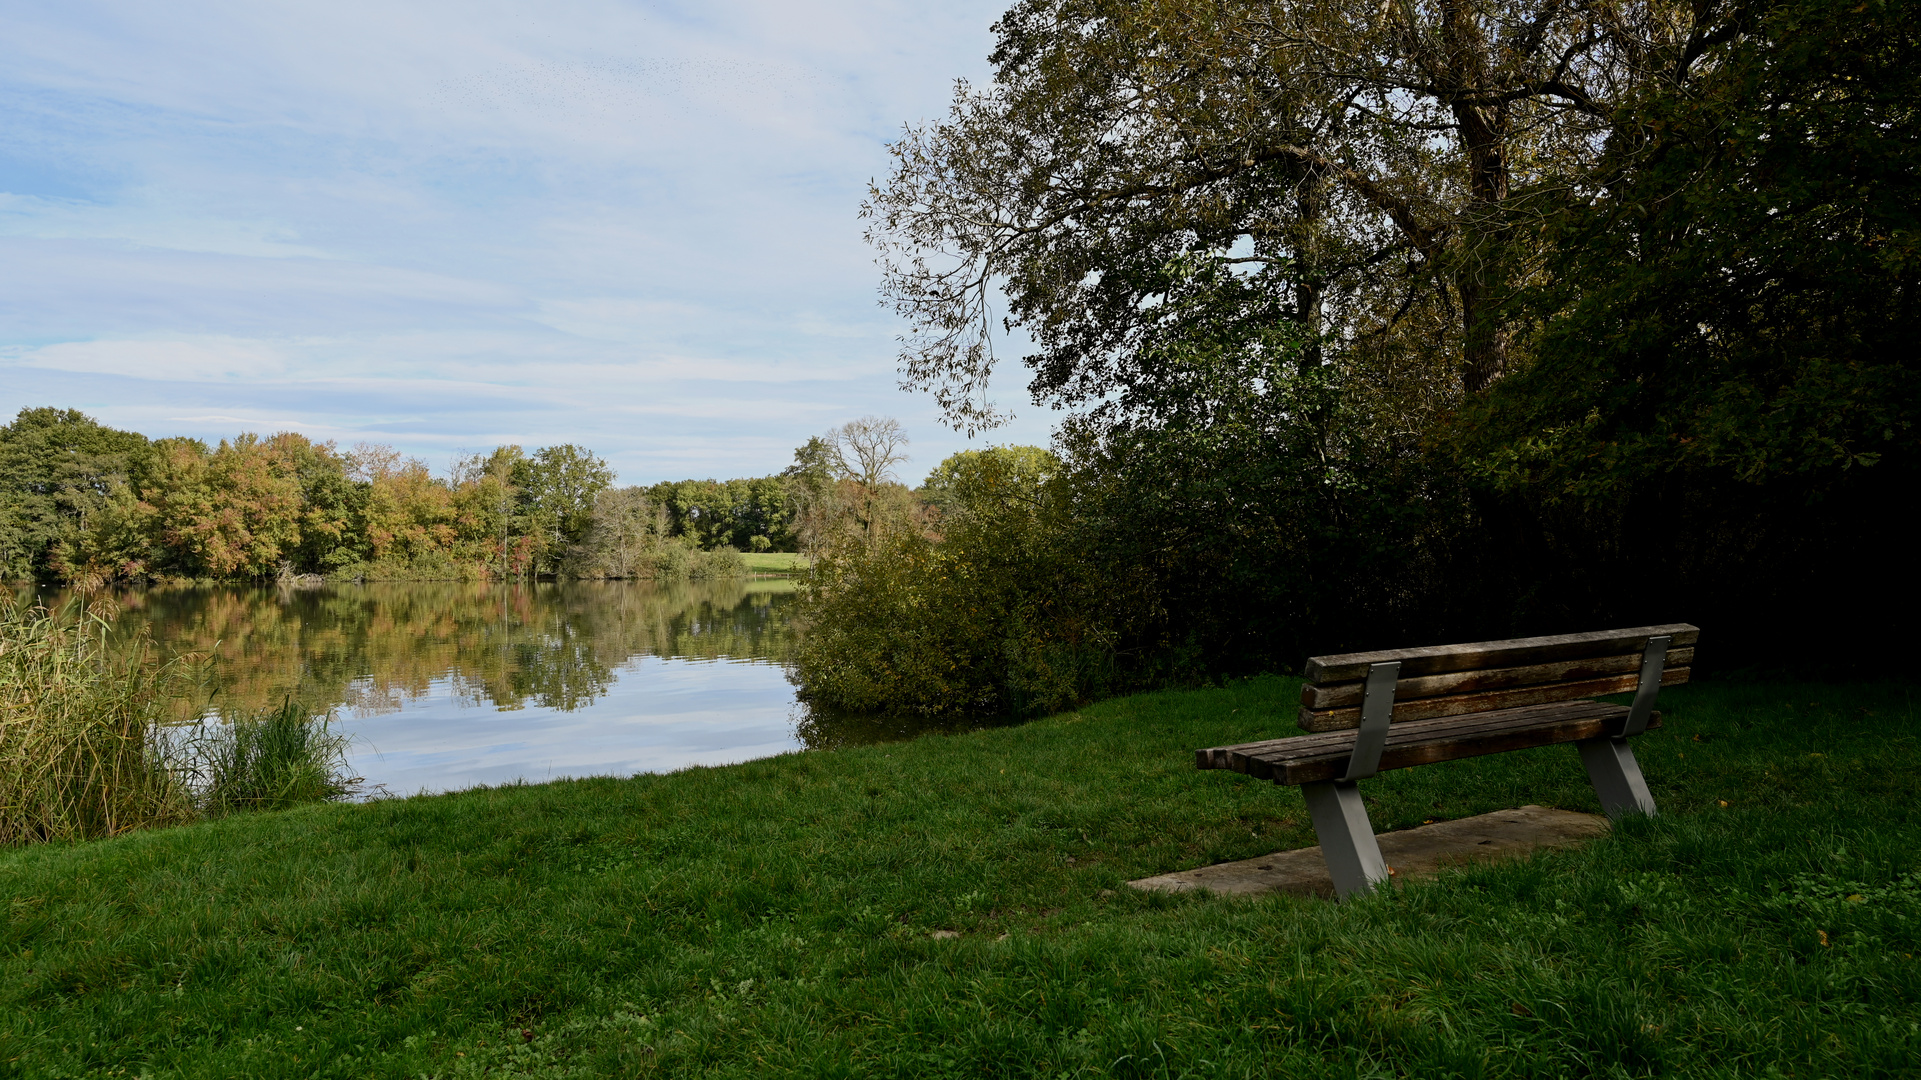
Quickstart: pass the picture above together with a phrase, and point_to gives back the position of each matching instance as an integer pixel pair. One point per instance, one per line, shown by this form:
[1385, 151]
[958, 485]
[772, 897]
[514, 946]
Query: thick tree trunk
[1484, 348]
[1310, 288]
[1480, 278]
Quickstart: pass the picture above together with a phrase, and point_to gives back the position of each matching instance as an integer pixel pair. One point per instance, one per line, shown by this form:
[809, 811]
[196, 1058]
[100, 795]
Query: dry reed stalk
[78, 753]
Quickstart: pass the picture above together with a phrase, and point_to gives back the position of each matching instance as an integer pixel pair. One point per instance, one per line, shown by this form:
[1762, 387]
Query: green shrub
[1000, 615]
[722, 562]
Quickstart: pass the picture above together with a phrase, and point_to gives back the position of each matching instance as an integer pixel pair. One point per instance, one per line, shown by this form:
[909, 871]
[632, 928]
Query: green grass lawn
[774, 562]
[778, 917]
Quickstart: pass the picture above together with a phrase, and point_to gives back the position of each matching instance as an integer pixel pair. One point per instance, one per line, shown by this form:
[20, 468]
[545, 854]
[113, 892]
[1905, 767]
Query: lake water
[449, 685]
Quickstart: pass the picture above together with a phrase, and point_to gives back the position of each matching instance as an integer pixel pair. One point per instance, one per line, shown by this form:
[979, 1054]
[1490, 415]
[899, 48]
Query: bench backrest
[1448, 680]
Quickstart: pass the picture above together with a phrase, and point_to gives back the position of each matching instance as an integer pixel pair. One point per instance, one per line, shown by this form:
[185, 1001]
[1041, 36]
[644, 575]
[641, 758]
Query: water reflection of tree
[508, 645]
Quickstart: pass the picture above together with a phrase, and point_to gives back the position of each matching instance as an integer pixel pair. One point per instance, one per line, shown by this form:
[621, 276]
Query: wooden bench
[1369, 712]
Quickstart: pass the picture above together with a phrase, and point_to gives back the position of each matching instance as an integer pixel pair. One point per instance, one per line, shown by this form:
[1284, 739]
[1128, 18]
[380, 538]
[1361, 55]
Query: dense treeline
[85, 503]
[1383, 325]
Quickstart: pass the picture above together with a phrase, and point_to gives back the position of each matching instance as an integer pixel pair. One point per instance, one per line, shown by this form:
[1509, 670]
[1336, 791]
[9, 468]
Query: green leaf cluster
[1731, 297]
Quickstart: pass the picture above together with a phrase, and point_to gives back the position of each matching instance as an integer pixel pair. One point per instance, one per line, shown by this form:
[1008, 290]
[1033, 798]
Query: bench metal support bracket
[1611, 767]
[1653, 661]
[1616, 777]
[1377, 712]
[1347, 837]
[1340, 818]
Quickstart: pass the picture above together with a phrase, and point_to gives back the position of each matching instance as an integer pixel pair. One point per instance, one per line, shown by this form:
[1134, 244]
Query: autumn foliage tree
[239, 510]
[84, 503]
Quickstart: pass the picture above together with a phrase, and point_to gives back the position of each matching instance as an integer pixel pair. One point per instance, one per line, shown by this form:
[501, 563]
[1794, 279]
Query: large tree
[1361, 167]
[558, 486]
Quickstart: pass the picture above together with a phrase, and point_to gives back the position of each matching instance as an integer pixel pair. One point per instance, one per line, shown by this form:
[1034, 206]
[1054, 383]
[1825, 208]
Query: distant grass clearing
[774, 562]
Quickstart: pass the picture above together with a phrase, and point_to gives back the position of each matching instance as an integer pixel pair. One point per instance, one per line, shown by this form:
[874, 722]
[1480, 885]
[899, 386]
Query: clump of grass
[277, 759]
[86, 749]
[78, 752]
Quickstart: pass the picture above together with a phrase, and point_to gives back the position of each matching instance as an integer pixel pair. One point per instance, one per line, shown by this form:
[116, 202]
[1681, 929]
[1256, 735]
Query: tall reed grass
[86, 750]
[281, 758]
[78, 753]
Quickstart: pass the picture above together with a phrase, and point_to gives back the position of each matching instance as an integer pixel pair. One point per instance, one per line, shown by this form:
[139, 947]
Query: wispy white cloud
[134, 222]
[168, 359]
[446, 225]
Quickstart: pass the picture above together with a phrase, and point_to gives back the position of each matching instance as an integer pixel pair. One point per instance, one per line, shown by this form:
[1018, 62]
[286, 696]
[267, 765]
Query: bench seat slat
[1342, 742]
[1491, 740]
[1221, 757]
[1341, 695]
[1515, 652]
[1306, 759]
[1489, 701]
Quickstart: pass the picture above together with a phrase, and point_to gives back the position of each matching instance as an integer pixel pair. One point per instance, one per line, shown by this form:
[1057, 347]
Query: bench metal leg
[1616, 777]
[1347, 839]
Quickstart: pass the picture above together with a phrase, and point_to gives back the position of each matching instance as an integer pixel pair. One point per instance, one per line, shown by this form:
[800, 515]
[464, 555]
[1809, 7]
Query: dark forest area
[1376, 325]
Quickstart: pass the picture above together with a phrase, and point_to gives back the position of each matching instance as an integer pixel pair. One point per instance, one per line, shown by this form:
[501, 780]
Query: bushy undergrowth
[1154, 554]
[86, 750]
[668, 561]
[672, 561]
[424, 568]
[1233, 509]
[997, 615]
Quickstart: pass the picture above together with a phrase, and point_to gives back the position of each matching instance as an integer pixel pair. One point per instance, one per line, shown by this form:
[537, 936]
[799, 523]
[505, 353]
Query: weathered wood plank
[1261, 759]
[1340, 695]
[1426, 742]
[1225, 757]
[1456, 704]
[1494, 741]
[1261, 762]
[1514, 652]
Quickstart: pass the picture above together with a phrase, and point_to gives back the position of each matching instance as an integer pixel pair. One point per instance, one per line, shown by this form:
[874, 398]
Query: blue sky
[447, 226]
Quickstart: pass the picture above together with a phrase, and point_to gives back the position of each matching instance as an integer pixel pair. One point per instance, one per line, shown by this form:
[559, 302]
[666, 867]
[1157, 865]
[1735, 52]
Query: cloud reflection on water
[657, 715]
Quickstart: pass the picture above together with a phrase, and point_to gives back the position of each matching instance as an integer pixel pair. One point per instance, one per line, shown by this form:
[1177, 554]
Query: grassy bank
[779, 917]
[774, 562]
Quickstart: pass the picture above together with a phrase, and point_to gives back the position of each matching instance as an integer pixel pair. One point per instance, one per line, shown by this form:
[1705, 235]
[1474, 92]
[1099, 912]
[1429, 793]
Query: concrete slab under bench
[1422, 852]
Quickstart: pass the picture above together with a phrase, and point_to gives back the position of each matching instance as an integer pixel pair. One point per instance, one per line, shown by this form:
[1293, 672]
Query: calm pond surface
[446, 685]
